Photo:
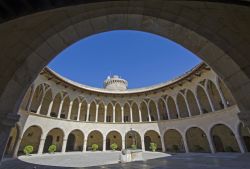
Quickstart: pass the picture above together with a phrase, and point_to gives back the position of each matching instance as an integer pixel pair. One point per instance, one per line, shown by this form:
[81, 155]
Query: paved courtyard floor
[109, 160]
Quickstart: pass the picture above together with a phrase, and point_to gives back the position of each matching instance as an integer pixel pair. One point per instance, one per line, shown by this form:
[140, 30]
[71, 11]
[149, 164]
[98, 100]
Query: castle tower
[115, 83]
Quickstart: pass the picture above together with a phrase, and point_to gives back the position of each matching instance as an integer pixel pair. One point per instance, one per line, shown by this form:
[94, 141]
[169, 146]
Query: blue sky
[143, 59]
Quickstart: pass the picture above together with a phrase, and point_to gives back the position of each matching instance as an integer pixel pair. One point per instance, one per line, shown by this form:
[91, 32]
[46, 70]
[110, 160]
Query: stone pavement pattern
[178, 161]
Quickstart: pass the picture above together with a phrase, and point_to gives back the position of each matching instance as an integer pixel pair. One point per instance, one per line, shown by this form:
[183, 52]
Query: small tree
[133, 146]
[52, 148]
[94, 147]
[153, 146]
[114, 146]
[28, 149]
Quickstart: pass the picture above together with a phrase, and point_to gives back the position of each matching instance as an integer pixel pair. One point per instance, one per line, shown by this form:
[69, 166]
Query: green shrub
[175, 148]
[229, 149]
[114, 146]
[28, 149]
[133, 146]
[52, 148]
[153, 146]
[94, 147]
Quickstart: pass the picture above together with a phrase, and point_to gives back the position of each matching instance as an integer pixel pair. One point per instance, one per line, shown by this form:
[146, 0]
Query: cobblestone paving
[177, 161]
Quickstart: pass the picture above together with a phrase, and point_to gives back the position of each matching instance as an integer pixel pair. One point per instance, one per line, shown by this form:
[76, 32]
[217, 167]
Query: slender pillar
[149, 116]
[88, 112]
[131, 114]
[60, 109]
[105, 113]
[31, 98]
[198, 103]
[177, 109]
[140, 118]
[185, 144]
[210, 142]
[166, 105]
[50, 108]
[163, 144]
[96, 113]
[85, 145]
[158, 113]
[79, 111]
[40, 104]
[122, 108]
[64, 145]
[16, 147]
[41, 146]
[221, 95]
[210, 101]
[241, 146]
[104, 145]
[70, 110]
[113, 114]
[142, 145]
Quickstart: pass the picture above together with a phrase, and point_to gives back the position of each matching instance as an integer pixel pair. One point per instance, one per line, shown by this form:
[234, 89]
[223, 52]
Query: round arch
[113, 137]
[132, 137]
[152, 136]
[173, 141]
[55, 136]
[75, 141]
[95, 137]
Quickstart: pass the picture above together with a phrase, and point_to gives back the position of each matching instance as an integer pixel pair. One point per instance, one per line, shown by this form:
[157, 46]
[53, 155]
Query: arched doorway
[132, 138]
[31, 136]
[245, 136]
[75, 141]
[224, 139]
[95, 137]
[173, 141]
[12, 141]
[55, 137]
[113, 137]
[152, 137]
[197, 140]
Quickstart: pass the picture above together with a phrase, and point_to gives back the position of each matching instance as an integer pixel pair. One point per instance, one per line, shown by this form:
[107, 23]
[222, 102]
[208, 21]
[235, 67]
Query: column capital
[9, 119]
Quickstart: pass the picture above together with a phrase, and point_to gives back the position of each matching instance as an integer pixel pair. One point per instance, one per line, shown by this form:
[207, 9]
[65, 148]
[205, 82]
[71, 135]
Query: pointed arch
[101, 110]
[37, 98]
[135, 112]
[172, 108]
[162, 109]
[192, 103]
[109, 117]
[92, 111]
[46, 102]
[214, 95]
[118, 113]
[127, 113]
[153, 110]
[229, 99]
[203, 100]
[65, 108]
[183, 110]
[83, 111]
[144, 111]
[56, 105]
[74, 110]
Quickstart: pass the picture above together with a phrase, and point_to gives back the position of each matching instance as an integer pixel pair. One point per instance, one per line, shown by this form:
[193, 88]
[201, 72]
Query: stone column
[188, 108]
[84, 145]
[166, 105]
[209, 100]
[123, 143]
[50, 108]
[104, 145]
[241, 146]
[40, 104]
[122, 108]
[64, 145]
[70, 110]
[60, 109]
[140, 118]
[79, 111]
[88, 112]
[113, 114]
[198, 103]
[41, 146]
[17, 147]
[163, 144]
[96, 113]
[6, 123]
[131, 114]
[30, 100]
[149, 115]
[105, 113]
[177, 109]
[158, 113]
[142, 145]
[210, 142]
[185, 144]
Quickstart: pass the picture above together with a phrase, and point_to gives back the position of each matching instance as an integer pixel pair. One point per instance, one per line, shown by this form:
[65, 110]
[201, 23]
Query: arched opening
[95, 137]
[152, 136]
[101, 110]
[203, 100]
[153, 111]
[132, 138]
[135, 113]
[46, 102]
[173, 141]
[127, 113]
[197, 140]
[37, 98]
[193, 106]
[214, 95]
[92, 112]
[224, 139]
[83, 111]
[162, 109]
[226, 93]
[109, 117]
[74, 109]
[75, 141]
[65, 108]
[172, 108]
[26, 101]
[55, 137]
[113, 137]
[12, 141]
[118, 113]
[56, 105]
[245, 136]
[144, 111]
[183, 110]
[31, 136]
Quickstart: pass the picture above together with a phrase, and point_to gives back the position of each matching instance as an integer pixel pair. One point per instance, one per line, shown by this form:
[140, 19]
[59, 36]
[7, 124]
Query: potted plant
[94, 147]
[28, 149]
[133, 146]
[153, 146]
[114, 146]
[52, 148]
